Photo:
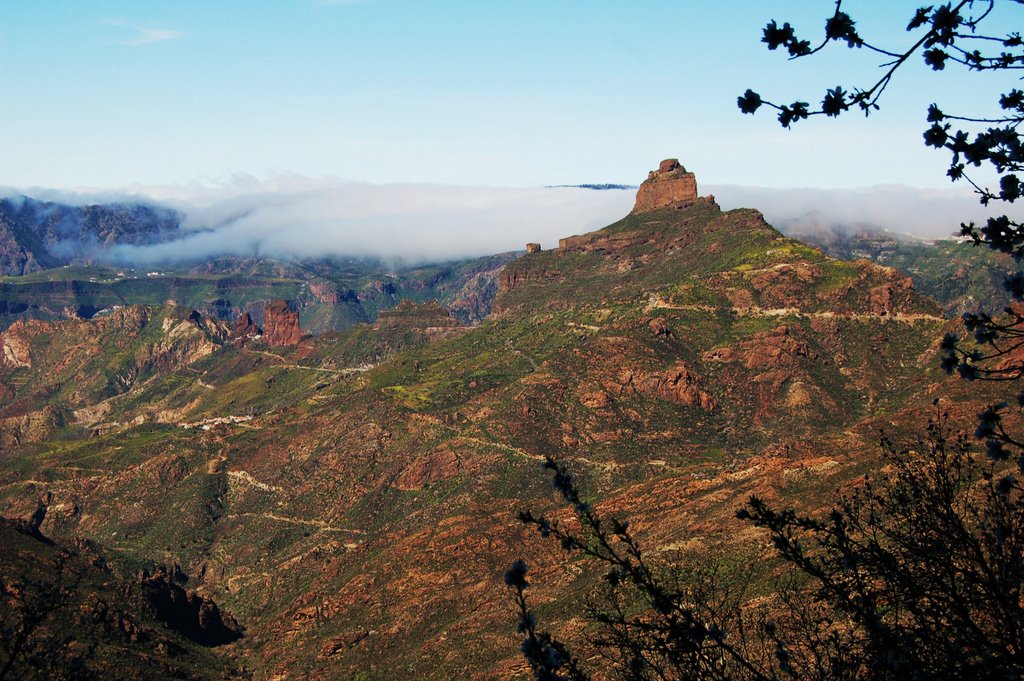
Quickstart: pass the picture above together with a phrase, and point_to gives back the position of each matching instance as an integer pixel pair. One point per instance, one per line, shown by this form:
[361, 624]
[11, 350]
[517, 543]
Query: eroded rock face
[14, 346]
[779, 347]
[35, 426]
[533, 248]
[281, 324]
[883, 299]
[245, 328]
[678, 384]
[325, 292]
[668, 185]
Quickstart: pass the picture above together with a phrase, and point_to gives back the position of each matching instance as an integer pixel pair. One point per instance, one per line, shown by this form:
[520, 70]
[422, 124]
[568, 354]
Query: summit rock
[668, 185]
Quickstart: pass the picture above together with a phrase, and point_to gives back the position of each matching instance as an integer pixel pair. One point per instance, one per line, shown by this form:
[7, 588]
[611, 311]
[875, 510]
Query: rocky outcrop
[514, 276]
[34, 426]
[670, 184]
[533, 248]
[14, 346]
[475, 299]
[188, 613]
[281, 324]
[779, 347]
[245, 328]
[678, 384]
[659, 327]
[604, 242]
[884, 299]
[325, 292]
[185, 341]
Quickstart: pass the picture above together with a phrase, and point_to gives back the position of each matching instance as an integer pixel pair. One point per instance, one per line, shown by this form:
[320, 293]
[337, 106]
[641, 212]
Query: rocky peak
[281, 324]
[668, 185]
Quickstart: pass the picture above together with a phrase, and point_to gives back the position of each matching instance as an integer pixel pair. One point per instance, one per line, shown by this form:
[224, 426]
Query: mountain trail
[294, 521]
[245, 477]
[655, 302]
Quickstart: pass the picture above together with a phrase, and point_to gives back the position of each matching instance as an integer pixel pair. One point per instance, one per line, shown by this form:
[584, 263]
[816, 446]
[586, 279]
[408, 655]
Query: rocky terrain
[349, 498]
[960, 277]
[329, 295]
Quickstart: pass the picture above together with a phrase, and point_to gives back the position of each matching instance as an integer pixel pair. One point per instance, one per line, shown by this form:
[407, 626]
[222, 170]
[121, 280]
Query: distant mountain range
[55, 258]
[39, 235]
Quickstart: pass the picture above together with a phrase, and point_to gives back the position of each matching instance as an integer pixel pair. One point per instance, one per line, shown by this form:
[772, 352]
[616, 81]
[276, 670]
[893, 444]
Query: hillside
[331, 295]
[961, 277]
[350, 500]
[115, 625]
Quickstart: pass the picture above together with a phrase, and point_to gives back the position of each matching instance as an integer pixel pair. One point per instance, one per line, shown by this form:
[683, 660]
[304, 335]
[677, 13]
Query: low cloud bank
[911, 211]
[403, 223]
[295, 217]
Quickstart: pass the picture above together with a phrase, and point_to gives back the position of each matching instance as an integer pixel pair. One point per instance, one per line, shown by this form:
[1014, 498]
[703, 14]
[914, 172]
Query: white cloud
[924, 213]
[144, 35]
[294, 216]
[291, 216]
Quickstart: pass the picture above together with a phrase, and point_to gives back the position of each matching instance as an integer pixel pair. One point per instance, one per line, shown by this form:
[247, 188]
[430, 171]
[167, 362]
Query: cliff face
[669, 184]
[281, 324]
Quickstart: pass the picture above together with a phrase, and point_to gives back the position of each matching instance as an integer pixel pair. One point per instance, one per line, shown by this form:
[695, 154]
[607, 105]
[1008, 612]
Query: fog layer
[292, 216]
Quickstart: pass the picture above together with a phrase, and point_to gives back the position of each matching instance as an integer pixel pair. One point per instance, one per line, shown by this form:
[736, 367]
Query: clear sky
[501, 92]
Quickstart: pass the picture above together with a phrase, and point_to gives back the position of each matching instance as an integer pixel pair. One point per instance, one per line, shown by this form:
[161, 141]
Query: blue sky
[496, 92]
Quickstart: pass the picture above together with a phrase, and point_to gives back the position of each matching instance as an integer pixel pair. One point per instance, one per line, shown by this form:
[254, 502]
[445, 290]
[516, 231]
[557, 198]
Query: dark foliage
[923, 567]
[919, 574]
[652, 623]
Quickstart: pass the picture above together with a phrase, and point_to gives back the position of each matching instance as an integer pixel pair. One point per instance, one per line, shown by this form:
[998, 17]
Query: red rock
[281, 324]
[596, 399]
[245, 328]
[326, 292]
[659, 327]
[670, 184]
[883, 299]
[533, 248]
[679, 384]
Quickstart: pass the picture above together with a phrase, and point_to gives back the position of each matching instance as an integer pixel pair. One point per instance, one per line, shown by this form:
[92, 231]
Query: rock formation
[325, 291]
[245, 328]
[187, 612]
[669, 184]
[533, 248]
[14, 346]
[281, 324]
